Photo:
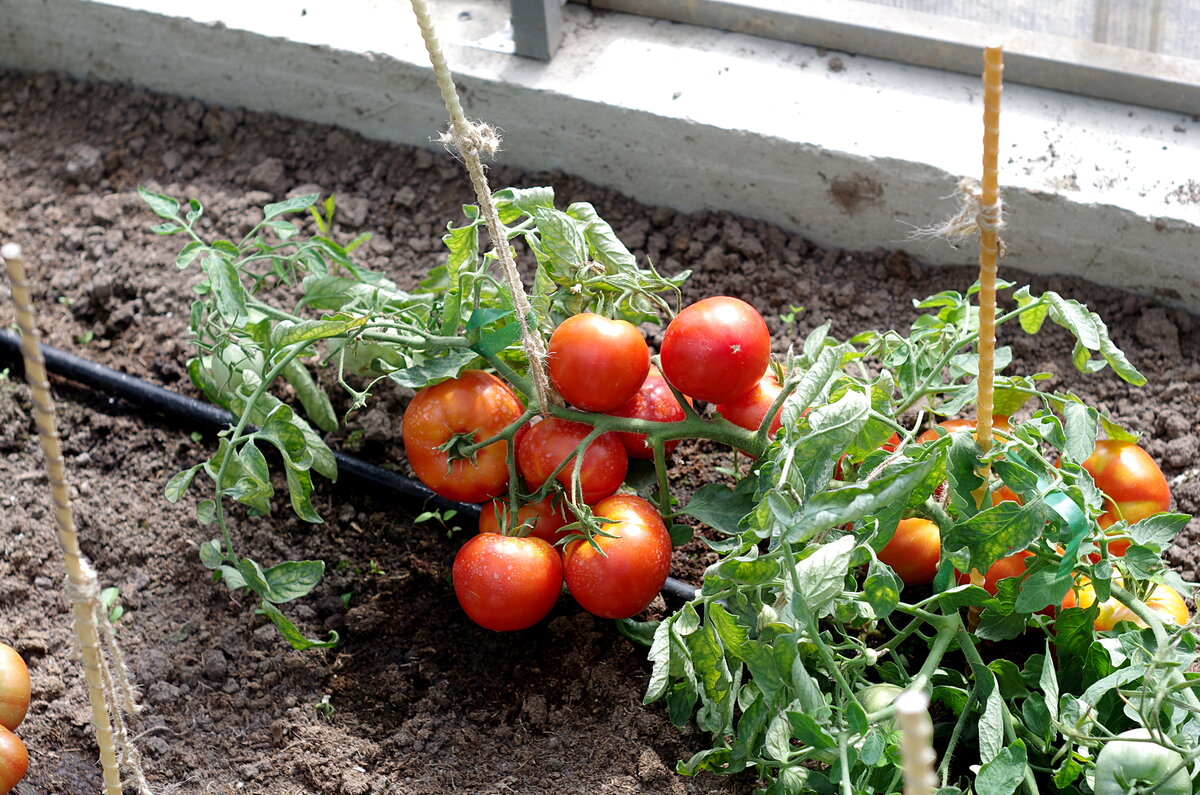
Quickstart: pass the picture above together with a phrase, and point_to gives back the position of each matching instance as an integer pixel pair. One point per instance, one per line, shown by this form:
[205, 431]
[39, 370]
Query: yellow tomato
[1163, 600]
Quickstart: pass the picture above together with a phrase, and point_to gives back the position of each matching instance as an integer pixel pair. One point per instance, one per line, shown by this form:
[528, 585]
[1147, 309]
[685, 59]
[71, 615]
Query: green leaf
[821, 576]
[227, 288]
[211, 554]
[206, 512]
[291, 205]
[1004, 773]
[179, 483]
[292, 635]
[660, 657]
[1159, 530]
[559, 239]
[314, 399]
[512, 203]
[431, 371]
[1080, 427]
[856, 500]
[1042, 589]
[882, 588]
[160, 205]
[232, 577]
[719, 507]
[495, 341]
[991, 732]
[292, 579]
[811, 384]
[606, 248]
[996, 532]
[808, 731]
[188, 254]
[680, 533]
[640, 632]
[286, 332]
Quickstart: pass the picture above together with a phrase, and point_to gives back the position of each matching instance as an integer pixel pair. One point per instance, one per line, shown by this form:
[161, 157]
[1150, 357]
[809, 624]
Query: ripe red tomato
[914, 551]
[553, 440]
[596, 363]
[1010, 566]
[475, 406]
[14, 760]
[716, 349]
[653, 401]
[1133, 485]
[633, 567]
[1163, 600]
[750, 408]
[14, 688]
[507, 582]
[546, 517]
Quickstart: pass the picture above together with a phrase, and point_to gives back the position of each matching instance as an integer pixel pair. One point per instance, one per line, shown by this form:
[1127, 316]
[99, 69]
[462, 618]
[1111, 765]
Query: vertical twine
[993, 70]
[916, 742]
[82, 586]
[470, 140]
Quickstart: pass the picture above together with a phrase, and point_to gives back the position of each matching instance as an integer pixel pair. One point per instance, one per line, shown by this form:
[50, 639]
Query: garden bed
[417, 699]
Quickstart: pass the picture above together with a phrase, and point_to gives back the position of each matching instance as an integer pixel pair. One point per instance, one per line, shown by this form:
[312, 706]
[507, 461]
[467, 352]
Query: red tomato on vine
[553, 440]
[623, 580]
[749, 409]
[471, 408]
[1133, 485]
[546, 517]
[14, 760]
[653, 401]
[507, 582]
[596, 363]
[914, 551]
[14, 688]
[716, 349]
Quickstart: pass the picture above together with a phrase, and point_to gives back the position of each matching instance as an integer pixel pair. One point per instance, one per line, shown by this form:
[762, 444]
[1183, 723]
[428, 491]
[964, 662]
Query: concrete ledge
[853, 152]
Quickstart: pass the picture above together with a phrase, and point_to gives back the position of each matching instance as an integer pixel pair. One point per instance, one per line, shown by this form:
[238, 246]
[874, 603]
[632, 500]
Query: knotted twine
[471, 140]
[106, 675]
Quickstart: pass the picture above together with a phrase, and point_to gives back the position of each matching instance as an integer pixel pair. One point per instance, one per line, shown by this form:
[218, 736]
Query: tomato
[1127, 763]
[14, 760]
[507, 582]
[474, 407]
[1133, 485]
[653, 401]
[596, 363]
[750, 408]
[914, 551]
[1163, 600]
[1002, 569]
[553, 440]
[716, 349]
[622, 581]
[14, 688]
[545, 516]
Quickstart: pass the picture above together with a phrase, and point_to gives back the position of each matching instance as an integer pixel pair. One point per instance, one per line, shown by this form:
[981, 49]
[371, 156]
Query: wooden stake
[80, 576]
[988, 222]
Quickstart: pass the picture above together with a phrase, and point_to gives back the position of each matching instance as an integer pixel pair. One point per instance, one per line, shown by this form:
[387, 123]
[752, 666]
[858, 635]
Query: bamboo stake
[471, 139]
[989, 222]
[916, 742]
[82, 584]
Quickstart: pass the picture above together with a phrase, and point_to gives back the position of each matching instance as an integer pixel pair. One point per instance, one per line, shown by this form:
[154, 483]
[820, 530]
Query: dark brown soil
[422, 701]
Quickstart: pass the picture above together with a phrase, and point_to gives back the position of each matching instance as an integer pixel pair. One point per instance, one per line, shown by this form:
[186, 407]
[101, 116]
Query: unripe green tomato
[228, 363]
[1124, 764]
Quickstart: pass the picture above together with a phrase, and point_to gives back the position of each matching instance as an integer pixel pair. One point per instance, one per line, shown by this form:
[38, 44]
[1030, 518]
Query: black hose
[196, 413]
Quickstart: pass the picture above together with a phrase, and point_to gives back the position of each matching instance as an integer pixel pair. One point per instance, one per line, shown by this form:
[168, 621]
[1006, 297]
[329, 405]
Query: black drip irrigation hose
[197, 414]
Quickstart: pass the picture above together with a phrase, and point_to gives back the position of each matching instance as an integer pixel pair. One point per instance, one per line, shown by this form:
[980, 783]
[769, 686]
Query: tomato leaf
[160, 205]
[808, 731]
[211, 554]
[179, 483]
[1159, 530]
[294, 204]
[292, 579]
[316, 402]
[856, 500]
[640, 632]
[998, 531]
[720, 507]
[882, 588]
[292, 635]
[432, 370]
[1042, 588]
[1005, 772]
[821, 576]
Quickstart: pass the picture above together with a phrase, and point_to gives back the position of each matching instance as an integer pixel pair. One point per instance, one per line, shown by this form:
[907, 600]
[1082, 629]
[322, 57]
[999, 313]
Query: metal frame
[1037, 59]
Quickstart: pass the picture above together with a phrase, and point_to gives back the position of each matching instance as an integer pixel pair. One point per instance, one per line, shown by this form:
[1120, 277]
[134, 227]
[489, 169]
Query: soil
[419, 699]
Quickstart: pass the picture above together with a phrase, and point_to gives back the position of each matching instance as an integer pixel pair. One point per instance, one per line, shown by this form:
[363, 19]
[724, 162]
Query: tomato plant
[550, 446]
[716, 349]
[914, 551]
[654, 401]
[1002, 569]
[14, 760]
[507, 582]
[749, 409]
[1134, 762]
[1162, 599]
[469, 409]
[543, 518]
[616, 575]
[14, 688]
[597, 364]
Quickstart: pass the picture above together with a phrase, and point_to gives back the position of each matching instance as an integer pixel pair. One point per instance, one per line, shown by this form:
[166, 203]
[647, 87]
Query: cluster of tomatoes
[716, 350]
[14, 703]
[1134, 488]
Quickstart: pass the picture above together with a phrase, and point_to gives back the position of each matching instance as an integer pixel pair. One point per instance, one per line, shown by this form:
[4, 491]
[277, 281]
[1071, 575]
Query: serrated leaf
[430, 371]
[211, 554]
[1159, 530]
[856, 500]
[317, 405]
[227, 288]
[811, 384]
[719, 507]
[991, 732]
[1042, 589]
[882, 589]
[1004, 529]
[1005, 772]
[820, 577]
[287, 333]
